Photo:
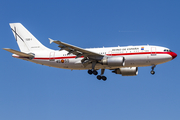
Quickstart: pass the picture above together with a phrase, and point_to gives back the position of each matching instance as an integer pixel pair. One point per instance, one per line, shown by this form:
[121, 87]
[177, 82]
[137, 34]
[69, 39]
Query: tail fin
[26, 41]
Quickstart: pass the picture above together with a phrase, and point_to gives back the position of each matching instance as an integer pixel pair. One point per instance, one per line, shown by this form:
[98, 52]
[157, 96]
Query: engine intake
[113, 61]
[127, 71]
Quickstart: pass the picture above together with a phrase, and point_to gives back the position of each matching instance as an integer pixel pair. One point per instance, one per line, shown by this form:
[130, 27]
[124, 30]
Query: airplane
[120, 60]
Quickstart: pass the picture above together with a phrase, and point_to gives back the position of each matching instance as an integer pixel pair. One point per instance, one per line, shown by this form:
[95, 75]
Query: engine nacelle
[127, 71]
[113, 61]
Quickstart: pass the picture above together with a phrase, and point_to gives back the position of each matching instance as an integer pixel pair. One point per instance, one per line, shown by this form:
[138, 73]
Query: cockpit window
[167, 50]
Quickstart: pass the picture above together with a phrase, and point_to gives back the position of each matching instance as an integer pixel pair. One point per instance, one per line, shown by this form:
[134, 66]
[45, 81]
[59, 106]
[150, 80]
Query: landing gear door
[153, 51]
[52, 56]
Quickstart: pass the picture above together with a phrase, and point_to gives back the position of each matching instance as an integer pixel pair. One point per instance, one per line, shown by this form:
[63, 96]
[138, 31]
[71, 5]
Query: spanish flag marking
[62, 61]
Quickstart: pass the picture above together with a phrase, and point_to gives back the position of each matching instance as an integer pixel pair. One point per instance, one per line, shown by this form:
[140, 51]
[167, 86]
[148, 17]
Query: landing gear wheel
[90, 72]
[152, 72]
[94, 72]
[104, 78]
[99, 77]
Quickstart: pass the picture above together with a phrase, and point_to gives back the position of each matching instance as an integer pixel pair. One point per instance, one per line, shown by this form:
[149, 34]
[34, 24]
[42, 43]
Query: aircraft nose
[174, 55]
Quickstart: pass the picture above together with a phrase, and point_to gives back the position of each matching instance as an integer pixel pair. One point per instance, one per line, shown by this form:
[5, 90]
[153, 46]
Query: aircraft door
[52, 56]
[153, 51]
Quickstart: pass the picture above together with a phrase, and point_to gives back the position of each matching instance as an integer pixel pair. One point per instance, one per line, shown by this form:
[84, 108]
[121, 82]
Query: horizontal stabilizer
[21, 54]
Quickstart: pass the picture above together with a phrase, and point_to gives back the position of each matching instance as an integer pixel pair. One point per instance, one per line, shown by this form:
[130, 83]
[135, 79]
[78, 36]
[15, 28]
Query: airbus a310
[120, 60]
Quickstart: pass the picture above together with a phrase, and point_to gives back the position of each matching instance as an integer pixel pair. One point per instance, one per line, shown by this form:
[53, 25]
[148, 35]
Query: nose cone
[174, 55]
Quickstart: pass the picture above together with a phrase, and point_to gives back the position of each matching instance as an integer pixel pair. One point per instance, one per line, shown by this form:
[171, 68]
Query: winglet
[51, 40]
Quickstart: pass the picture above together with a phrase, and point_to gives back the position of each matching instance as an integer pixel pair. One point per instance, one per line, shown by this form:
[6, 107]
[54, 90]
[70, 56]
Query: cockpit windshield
[167, 50]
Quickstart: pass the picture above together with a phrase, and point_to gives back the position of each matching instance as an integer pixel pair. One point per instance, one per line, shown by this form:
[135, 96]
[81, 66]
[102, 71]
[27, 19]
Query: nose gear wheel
[152, 71]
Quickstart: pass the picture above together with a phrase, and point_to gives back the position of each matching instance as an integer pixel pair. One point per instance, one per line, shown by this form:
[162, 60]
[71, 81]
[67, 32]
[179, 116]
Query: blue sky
[30, 91]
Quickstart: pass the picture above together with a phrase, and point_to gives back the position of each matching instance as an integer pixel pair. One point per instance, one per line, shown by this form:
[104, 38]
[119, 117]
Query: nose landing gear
[152, 71]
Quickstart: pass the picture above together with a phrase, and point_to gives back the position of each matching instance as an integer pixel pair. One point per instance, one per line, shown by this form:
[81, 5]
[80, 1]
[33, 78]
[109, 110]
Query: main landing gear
[99, 77]
[152, 71]
[92, 72]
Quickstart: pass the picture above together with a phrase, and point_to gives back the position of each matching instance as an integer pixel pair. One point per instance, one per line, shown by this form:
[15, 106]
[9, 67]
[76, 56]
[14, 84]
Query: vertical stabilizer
[26, 41]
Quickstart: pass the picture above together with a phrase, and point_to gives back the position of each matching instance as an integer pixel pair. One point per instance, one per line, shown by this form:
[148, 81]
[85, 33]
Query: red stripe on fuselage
[67, 57]
[119, 54]
[140, 53]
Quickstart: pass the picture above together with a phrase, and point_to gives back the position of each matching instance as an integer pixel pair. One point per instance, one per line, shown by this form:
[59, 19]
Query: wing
[76, 50]
[89, 56]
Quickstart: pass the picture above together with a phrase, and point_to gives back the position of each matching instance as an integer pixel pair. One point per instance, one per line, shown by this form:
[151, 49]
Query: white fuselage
[135, 56]
[121, 60]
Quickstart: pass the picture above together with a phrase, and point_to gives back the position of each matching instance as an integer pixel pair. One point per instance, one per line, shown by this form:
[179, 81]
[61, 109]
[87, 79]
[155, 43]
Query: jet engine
[127, 71]
[113, 61]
